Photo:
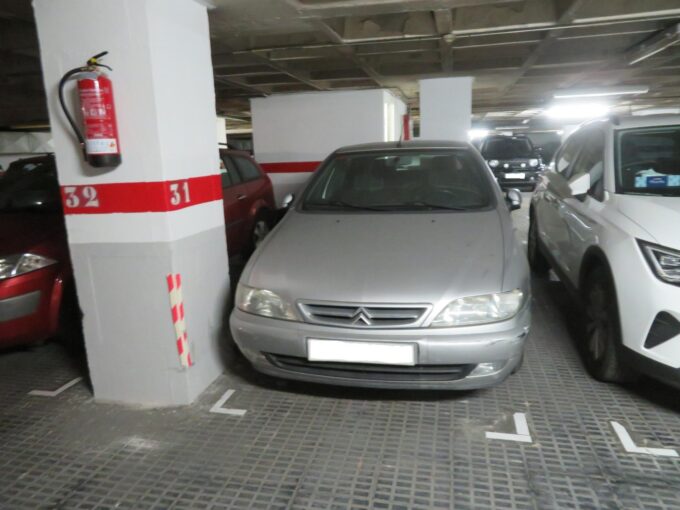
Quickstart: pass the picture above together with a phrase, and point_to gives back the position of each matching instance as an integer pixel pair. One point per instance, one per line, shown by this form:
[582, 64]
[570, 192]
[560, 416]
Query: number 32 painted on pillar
[81, 196]
[179, 193]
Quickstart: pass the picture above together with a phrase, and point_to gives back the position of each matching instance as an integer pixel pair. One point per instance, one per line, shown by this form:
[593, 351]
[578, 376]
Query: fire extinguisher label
[101, 146]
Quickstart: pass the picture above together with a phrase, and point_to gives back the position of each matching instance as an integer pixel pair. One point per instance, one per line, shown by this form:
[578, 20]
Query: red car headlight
[22, 263]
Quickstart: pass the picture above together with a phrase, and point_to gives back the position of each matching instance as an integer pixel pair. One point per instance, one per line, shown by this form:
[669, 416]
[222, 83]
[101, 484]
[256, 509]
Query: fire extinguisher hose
[69, 117]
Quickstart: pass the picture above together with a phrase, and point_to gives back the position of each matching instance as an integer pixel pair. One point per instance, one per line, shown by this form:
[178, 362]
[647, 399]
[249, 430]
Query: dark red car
[37, 293]
[248, 201]
[36, 282]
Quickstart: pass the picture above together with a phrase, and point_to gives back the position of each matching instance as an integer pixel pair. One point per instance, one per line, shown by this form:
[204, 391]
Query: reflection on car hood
[31, 232]
[381, 258]
[659, 216]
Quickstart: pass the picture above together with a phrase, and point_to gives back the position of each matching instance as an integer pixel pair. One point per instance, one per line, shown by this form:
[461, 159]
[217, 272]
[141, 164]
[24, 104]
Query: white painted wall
[309, 126]
[445, 108]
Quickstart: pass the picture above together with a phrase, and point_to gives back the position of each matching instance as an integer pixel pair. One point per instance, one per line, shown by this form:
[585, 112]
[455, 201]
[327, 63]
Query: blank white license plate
[514, 176]
[382, 353]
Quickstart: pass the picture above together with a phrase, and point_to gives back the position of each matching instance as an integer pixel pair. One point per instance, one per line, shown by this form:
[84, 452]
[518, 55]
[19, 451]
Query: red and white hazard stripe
[177, 307]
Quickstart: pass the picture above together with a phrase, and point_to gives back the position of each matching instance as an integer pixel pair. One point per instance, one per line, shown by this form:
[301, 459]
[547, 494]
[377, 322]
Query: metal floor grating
[301, 446]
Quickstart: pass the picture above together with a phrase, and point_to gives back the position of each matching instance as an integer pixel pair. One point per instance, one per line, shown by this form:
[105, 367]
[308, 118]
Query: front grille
[420, 373]
[363, 316]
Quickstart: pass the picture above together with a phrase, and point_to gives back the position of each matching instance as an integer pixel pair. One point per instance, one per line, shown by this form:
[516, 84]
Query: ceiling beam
[443, 19]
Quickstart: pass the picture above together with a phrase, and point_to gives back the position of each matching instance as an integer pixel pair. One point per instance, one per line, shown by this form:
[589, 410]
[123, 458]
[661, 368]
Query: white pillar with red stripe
[157, 214]
[293, 133]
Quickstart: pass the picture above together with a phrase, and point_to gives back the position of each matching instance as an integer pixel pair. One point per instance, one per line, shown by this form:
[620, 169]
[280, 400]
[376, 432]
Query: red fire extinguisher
[99, 138]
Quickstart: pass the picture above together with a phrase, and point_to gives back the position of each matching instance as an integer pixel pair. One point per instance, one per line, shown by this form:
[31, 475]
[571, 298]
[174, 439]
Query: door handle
[241, 197]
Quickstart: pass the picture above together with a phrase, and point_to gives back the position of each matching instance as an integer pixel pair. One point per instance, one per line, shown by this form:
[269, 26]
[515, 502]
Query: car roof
[409, 144]
[637, 121]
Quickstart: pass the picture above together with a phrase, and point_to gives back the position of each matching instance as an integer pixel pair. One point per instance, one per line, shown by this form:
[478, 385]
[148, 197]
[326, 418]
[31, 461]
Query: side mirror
[513, 197]
[288, 200]
[579, 186]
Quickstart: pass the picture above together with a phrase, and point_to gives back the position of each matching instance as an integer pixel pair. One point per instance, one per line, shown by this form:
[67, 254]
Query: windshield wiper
[342, 203]
[435, 206]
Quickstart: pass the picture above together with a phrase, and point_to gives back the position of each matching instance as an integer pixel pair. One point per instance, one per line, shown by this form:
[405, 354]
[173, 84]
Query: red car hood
[43, 234]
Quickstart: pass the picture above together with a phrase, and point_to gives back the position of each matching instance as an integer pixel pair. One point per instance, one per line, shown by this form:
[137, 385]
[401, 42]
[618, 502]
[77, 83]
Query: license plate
[514, 176]
[378, 353]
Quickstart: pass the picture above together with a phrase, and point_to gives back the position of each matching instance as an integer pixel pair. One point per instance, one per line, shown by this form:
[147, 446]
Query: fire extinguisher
[99, 139]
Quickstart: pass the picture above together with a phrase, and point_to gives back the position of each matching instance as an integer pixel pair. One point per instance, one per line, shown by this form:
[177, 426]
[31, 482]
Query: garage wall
[292, 133]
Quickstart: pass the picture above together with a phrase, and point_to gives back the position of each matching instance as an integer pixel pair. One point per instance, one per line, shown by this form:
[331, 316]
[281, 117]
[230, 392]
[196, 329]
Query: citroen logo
[361, 316]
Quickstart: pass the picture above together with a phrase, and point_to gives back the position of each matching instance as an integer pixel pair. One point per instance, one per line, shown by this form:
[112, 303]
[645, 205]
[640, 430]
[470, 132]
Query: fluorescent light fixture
[657, 111]
[569, 110]
[476, 134]
[609, 91]
[655, 44]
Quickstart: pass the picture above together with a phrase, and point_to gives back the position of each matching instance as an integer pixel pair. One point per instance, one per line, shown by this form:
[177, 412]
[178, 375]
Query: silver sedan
[396, 267]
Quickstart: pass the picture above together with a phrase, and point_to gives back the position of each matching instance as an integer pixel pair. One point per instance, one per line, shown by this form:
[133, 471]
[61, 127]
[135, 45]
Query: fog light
[488, 368]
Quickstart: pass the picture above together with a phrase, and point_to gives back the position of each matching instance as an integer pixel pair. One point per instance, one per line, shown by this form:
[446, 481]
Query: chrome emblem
[361, 316]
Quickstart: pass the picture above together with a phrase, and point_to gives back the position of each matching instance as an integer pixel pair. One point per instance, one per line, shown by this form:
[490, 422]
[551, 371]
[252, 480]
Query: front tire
[261, 229]
[537, 261]
[603, 330]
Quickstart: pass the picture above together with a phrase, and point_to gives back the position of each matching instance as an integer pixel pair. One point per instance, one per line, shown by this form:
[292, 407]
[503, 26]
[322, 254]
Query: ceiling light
[577, 110]
[476, 134]
[610, 91]
[657, 111]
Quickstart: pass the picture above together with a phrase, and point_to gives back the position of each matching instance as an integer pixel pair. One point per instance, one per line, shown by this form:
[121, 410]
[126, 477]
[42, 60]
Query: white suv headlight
[264, 302]
[533, 162]
[480, 309]
[22, 263]
[665, 262]
[493, 163]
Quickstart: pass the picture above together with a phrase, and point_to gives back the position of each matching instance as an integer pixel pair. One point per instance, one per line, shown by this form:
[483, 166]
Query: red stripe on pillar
[136, 197]
[290, 167]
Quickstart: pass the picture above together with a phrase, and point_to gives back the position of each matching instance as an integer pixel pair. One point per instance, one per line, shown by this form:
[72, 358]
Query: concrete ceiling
[519, 51]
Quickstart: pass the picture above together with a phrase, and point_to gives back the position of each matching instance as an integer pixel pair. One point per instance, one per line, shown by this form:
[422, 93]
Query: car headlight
[22, 263]
[264, 302]
[665, 262]
[480, 309]
[493, 163]
[533, 162]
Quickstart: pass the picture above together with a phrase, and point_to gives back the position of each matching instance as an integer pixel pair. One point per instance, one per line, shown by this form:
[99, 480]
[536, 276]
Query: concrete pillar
[156, 215]
[445, 108]
[293, 133]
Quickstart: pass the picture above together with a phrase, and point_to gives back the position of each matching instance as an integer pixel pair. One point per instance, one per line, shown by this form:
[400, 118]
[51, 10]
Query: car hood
[381, 258]
[41, 233]
[658, 216]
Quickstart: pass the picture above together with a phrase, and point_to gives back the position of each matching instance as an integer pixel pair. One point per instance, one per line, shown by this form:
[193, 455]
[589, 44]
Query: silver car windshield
[401, 180]
[648, 161]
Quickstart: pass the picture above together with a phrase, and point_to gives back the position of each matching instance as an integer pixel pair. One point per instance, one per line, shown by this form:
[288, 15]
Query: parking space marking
[217, 408]
[522, 434]
[630, 446]
[45, 393]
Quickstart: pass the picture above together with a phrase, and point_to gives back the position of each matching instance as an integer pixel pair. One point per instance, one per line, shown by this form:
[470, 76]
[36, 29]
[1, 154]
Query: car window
[401, 180]
[230, 175]
[247, 169]
[591, 161]
[566, 156]
[648, 161]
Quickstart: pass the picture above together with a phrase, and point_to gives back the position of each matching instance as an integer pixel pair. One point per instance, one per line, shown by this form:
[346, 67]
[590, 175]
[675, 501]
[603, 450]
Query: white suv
[606, 218]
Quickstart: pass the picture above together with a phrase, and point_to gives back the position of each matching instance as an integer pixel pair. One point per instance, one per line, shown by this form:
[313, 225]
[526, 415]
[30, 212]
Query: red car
[36, 283]
[248, 201]
[37, 293]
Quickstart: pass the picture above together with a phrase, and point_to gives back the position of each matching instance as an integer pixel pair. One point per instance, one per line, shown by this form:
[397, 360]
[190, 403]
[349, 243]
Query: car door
[253, 187]
[550, 224]
[233, 196]
[581, 215]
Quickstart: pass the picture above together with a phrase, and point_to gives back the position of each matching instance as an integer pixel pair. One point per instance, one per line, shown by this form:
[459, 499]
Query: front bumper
[28, 307]
[529, 181]
[259, 338]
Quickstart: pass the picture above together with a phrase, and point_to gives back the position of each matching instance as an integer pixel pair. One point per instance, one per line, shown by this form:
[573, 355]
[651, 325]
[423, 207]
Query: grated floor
[301, 446]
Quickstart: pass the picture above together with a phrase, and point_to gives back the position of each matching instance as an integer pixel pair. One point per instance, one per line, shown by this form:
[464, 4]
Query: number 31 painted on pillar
[179, 193]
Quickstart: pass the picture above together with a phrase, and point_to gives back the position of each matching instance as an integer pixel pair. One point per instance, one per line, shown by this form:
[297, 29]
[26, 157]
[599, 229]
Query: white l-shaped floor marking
[521, 426]
[45, 393]
[630, 446]
[217, 408]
